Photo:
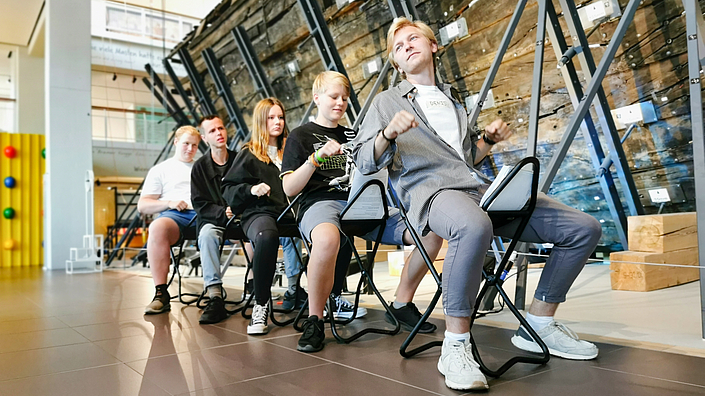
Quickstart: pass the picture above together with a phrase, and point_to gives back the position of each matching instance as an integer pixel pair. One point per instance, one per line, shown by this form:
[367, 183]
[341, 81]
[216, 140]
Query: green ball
[8, 213]
[44, 153]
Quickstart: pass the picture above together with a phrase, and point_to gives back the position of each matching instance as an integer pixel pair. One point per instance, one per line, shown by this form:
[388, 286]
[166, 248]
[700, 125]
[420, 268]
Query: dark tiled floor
[86, 335]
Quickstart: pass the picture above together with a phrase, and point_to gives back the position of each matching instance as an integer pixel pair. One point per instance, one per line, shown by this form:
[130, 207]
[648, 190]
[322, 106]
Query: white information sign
[596, 10]
[453, 30]
[659, 195]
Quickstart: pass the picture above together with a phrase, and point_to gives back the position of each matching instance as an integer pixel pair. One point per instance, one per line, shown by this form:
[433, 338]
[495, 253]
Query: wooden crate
[361, 246]
[627, 274]
[662, 233]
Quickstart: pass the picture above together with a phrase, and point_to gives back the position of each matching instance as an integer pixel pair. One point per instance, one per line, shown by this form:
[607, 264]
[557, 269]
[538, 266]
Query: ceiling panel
[17, 19]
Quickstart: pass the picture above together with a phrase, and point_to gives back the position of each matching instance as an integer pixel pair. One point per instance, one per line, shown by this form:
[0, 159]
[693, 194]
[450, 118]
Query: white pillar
[30, 92]
[68, 126]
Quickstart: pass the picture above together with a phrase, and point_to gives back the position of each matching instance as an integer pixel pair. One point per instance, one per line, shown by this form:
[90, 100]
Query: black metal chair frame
[286, 230]
[491, 279]
[350, 229]
[232, 231]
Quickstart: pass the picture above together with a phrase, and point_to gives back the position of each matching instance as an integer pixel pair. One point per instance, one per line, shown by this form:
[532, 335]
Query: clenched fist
[497, 131]
[329, 149]
[260, 189]
[402, 122]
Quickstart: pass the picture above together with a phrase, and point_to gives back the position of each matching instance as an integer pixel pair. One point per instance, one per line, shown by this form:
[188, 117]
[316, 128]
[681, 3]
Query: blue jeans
[292, 266]
[209, 239]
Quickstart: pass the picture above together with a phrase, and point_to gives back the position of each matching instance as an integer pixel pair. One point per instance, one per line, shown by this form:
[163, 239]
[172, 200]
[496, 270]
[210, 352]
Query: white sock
[464, 337]
[538, 322]
[398, 305]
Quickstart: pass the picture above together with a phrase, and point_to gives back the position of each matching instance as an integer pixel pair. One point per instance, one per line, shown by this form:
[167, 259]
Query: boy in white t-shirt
[167, 191]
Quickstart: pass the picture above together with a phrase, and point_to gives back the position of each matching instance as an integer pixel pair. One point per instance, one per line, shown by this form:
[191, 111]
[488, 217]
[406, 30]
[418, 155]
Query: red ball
[10, 152]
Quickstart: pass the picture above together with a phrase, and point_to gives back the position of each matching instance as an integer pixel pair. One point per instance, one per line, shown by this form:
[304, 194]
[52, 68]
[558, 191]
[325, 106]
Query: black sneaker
[214, 311]
[312, 338]
[258, 322]
[408, 316]
[289, 299]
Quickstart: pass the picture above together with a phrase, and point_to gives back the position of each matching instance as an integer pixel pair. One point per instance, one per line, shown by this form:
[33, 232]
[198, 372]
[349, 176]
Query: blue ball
[10, 182]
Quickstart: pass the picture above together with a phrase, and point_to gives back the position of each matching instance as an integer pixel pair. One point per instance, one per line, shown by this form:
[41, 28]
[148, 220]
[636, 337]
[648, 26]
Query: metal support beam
[602, 109]
[582, 109]
[373, 92]
[326, 48]
[693, 18]
[492, 73]
[307, 113]
[575, 91]
[537, 79]
[254, 67]
[180, 89]
[176, 113]
[174, 108]
[405, 8]
[242, 133]
[197, 85]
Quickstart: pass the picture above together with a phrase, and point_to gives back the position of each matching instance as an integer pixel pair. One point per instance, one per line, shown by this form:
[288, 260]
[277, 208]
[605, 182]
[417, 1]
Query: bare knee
[325, 239]
[163, 232]
[432, 243]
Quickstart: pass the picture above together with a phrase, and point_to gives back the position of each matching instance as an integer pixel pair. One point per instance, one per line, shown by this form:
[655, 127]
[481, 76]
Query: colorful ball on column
[10, 152]
[44, 153]
[9, 244]
[10, 182]
[8, 213]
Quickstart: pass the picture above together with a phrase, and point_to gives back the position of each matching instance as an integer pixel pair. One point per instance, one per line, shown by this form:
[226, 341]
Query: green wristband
[319, 158]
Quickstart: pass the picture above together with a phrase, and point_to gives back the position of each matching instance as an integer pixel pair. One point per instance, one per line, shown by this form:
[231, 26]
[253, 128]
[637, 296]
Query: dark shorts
[328, 211]
[181, 219]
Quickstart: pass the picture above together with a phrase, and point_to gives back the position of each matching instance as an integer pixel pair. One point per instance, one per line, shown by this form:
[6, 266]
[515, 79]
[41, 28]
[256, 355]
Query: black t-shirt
[304, 141]
[221, 170]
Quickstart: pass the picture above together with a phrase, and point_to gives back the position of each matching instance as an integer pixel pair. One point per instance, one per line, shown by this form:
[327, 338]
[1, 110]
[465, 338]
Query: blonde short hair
[401, 23]
[188, 130]
[328, 78]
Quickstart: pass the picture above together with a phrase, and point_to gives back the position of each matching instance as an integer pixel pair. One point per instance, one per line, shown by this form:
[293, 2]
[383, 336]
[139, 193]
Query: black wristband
[386, 138]
[488, 140]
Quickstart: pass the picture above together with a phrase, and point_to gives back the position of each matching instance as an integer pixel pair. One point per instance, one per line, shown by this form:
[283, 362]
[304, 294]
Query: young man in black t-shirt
[315, 165]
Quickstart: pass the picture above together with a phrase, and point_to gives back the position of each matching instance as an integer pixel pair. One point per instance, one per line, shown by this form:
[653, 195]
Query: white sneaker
[459, 368]
[560, 340]
[258, 322]
[344, 309]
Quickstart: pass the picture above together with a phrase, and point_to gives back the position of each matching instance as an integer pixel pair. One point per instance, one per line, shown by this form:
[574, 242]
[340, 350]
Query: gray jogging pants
[456, 217]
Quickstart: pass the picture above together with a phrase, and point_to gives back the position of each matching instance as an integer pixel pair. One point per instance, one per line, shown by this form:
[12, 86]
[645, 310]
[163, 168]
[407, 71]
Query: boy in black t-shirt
[315, 165]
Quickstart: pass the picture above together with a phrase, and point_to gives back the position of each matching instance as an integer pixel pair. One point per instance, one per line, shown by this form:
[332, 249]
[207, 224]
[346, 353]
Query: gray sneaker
[157, 307]
[560, 340]
[461, 371]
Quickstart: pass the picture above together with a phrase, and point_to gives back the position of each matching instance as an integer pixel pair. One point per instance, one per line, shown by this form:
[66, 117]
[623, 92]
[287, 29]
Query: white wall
[8, 83]
[30, 93]
[68, 126]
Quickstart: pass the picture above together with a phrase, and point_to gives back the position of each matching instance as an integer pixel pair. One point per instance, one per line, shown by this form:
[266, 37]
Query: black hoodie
[248, 171]
[206, 197]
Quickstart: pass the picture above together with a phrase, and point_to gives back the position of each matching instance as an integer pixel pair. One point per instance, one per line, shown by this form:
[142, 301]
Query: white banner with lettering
[131, 56]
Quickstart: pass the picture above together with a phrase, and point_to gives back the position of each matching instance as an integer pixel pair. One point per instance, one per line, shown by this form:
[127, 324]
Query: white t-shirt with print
[440, 113]
[171, 180]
